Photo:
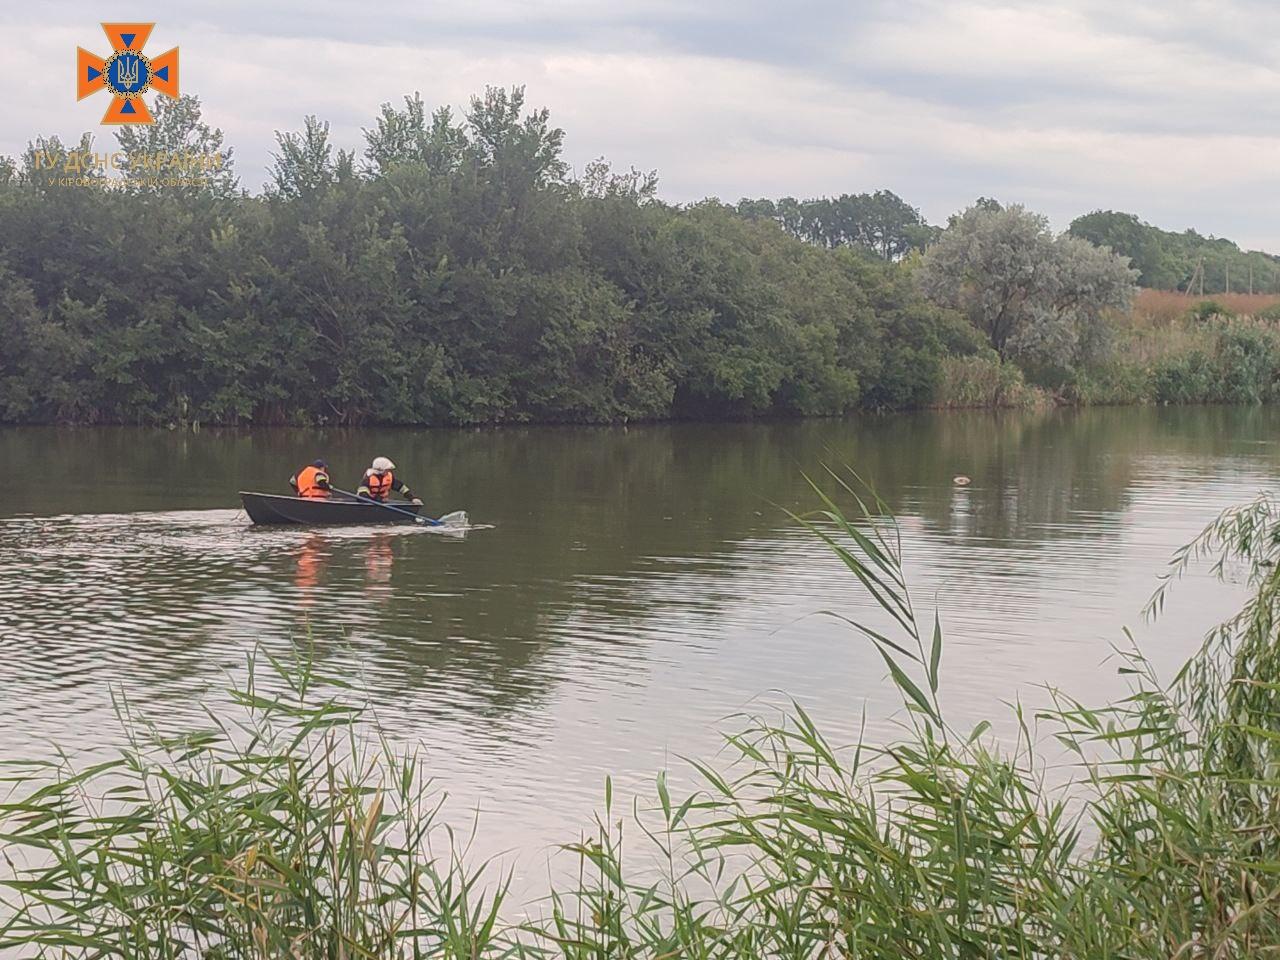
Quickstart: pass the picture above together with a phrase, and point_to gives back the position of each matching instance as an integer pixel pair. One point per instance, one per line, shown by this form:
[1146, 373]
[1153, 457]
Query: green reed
[296, 830]
[286, 832]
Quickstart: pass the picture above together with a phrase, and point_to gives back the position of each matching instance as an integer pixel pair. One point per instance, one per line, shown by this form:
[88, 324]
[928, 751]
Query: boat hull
[268, 508]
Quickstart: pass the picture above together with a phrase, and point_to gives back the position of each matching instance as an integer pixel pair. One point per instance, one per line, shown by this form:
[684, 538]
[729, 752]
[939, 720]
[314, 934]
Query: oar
[425, 521]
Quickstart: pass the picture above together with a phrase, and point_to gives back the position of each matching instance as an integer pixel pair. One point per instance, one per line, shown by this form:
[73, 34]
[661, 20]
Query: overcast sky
[1169, 110]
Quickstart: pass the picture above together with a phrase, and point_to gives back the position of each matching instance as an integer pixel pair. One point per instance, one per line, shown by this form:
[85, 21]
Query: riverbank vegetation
[296, 831]
[1215, 359]
[457, 271]
[1219, 360]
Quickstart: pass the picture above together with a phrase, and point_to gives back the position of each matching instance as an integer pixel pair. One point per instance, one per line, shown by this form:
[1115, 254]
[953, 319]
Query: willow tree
[1037, 297]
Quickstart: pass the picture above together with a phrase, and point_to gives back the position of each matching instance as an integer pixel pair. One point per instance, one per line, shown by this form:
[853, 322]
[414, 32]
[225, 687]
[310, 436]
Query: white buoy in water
[961, 481]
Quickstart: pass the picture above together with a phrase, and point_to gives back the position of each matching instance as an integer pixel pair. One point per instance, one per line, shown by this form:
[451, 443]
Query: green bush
[1239, 363]
[1117, 381]
[1208, 310]
[1248, 364]
[1183, 378]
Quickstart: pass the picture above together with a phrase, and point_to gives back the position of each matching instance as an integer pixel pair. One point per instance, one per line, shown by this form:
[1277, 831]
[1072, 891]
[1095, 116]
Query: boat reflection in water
[378, 560]
[327, 568]
[310, 561]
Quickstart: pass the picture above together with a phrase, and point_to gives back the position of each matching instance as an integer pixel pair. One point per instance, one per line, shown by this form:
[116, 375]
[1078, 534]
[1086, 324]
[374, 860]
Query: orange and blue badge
[127, 73]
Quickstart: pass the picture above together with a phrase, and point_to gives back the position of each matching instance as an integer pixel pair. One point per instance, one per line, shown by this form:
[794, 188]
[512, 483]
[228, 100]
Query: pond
[639, 589]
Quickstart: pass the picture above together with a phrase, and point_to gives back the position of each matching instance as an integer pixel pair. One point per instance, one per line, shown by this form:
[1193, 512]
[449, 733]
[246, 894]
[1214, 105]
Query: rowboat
[270, 508]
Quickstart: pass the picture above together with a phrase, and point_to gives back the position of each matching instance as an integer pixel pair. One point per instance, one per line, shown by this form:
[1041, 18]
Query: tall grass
[298, 833]
[983, 380]
[1164, 307]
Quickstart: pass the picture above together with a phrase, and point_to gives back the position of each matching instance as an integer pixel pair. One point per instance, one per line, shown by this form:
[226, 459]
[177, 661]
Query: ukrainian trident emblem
[127, 74]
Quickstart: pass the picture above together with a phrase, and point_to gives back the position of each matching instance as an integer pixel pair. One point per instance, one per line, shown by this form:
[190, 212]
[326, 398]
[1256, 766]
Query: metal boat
[269, 508]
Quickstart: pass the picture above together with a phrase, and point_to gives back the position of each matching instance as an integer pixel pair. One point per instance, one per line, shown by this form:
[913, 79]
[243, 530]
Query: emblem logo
[127, 74]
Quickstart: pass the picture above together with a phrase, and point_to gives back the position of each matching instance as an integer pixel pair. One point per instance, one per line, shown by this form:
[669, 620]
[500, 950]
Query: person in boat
[312, 481]
[380, 479]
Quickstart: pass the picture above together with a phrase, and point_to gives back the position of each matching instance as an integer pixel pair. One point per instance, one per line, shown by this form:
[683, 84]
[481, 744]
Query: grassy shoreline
[1169, 350]
[294, 829]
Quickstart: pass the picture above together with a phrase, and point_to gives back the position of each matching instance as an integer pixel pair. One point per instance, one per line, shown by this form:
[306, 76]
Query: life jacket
[309, 482]
[378, 485]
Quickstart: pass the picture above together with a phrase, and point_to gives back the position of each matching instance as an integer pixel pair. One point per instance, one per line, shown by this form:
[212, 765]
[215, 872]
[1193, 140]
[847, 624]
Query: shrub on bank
[1208, 310]
[1236, 362]
[1217, 361]
[1248, 361]
[1116, 382]
[1183, 378]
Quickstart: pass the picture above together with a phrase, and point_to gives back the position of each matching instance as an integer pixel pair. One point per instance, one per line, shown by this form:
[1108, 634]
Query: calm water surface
[638, 587]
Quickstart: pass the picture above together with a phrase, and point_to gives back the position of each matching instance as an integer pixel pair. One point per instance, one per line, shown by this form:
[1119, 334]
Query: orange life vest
[379, 485]
[309, 482]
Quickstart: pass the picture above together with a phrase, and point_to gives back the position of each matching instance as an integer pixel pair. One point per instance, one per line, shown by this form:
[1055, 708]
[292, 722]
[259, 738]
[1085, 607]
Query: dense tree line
[881, 222]
[456, 272]
[886, 225]
[1187, 261]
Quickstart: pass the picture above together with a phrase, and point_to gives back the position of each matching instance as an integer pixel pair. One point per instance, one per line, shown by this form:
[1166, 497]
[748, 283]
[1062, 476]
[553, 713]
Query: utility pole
[1196, 275]
[1228, 277]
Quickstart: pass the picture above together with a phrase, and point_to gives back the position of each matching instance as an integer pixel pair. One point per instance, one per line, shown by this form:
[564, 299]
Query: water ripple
[651, 593]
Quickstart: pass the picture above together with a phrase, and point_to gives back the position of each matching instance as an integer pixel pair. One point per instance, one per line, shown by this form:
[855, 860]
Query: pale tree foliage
[1038, 298]
[494, 133]
[512, 143]
[306, 162]
[409, 136]
[179, 128]
[599, 181]
[46, 158]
